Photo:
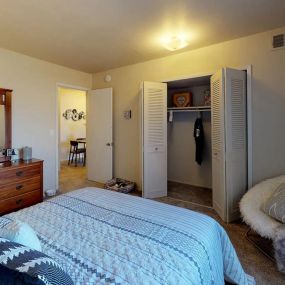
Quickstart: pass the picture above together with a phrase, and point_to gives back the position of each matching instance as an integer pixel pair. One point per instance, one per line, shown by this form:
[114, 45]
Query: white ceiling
[96, 35]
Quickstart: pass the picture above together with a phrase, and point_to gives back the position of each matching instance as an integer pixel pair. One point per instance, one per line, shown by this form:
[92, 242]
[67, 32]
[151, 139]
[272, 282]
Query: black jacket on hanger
[199, 140]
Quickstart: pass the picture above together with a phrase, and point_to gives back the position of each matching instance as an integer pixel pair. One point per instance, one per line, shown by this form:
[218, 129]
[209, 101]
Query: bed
[103, 237]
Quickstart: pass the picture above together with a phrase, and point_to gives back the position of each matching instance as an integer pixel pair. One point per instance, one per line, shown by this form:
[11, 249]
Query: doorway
[71, 137]
[96, 130]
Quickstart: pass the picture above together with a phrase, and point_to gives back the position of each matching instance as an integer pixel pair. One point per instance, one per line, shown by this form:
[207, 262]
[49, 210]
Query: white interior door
[236, 140]
[154, 139]
[218, 143]
[229, 151]
[99, 135]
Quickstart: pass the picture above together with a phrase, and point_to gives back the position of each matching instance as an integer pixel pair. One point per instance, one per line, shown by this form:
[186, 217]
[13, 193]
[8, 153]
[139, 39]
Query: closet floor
[189, 193]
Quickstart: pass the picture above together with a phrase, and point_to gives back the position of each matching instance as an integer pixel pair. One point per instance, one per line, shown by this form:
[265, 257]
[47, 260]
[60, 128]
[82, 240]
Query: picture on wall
[74, 115]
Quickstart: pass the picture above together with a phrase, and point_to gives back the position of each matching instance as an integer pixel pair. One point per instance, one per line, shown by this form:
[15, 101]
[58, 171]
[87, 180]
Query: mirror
[5, 122]
[2, 126]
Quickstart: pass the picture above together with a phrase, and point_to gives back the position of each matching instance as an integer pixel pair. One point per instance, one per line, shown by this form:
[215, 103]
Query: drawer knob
[18, 202]
[19, 173]
[19, 187]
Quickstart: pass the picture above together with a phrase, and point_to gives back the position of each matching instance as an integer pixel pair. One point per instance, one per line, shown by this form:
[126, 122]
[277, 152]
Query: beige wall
[34, 104]
[268, 87]
[70, 129]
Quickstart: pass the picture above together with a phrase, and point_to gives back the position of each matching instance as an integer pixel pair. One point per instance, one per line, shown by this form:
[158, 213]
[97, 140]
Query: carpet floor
[254, 262]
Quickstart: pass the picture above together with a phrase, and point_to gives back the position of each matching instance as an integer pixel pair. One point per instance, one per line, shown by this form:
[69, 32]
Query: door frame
[57, 125]
[248, 69]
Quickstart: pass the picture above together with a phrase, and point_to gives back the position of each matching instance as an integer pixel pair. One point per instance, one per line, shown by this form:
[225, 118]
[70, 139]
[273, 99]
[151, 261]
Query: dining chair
[76, 151]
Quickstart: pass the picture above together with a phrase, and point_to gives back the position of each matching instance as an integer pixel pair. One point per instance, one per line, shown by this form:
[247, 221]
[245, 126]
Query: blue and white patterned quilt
[104, 237]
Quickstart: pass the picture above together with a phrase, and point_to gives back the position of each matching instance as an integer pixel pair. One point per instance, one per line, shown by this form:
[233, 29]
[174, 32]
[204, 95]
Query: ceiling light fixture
[173, 43]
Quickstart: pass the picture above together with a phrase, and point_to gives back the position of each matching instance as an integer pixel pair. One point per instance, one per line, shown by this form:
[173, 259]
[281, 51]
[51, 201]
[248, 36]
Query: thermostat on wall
[108, 78]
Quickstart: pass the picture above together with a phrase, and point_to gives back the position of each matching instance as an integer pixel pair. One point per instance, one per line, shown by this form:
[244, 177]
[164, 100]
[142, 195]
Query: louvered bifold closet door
[236, 139]
[218, 143]
[154, 139]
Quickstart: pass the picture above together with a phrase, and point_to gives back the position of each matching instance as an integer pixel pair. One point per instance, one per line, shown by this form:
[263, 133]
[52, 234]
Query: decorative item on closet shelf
[207, 97]
[182, 99]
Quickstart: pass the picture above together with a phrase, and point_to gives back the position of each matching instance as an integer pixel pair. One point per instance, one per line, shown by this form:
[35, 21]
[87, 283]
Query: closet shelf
[190, 109]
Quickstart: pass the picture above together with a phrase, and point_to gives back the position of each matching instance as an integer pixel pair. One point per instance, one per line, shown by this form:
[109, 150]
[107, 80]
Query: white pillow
[275, 205]
[22, 233]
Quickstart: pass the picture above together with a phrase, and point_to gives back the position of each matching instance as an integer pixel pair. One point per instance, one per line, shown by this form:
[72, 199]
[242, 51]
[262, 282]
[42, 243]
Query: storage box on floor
[120, 185]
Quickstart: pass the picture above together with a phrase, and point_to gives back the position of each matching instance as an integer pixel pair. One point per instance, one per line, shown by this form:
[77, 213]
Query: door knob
[109, 144]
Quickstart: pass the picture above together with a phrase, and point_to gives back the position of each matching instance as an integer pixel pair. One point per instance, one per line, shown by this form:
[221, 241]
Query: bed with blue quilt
[103, 237]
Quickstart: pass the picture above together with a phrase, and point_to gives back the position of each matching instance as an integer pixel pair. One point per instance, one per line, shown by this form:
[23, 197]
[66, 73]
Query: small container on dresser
[21, 184]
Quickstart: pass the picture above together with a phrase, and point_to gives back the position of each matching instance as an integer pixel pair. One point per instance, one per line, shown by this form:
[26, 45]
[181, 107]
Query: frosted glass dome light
[173, 43]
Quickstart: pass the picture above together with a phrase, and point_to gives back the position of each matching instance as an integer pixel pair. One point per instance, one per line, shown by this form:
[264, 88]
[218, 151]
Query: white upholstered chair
[251, 203]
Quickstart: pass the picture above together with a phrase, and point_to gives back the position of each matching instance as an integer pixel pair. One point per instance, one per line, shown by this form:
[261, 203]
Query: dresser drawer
[20, 201]
[21, 187]
[15, 175]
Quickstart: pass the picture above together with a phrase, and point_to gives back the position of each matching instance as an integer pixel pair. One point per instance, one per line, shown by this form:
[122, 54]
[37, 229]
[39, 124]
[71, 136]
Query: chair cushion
[251, 207]
[275, 205]
[22, 233]
[22, 265]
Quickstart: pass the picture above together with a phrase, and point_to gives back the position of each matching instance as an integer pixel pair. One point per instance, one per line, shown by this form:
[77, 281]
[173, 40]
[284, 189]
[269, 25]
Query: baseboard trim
[193, 203]
[187, 183]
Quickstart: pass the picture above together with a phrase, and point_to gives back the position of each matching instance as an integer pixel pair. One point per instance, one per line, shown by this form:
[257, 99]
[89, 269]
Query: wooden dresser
[21, 184]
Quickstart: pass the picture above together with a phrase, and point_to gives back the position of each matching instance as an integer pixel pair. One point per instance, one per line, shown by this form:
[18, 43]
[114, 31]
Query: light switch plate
[128, 114]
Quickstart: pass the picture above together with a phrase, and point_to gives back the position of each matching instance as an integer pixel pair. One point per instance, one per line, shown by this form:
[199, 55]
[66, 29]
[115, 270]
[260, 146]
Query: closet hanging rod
[171, 111]
[189, 109]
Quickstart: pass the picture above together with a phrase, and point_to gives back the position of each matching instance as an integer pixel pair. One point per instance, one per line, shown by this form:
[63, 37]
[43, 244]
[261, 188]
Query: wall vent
[278, 41]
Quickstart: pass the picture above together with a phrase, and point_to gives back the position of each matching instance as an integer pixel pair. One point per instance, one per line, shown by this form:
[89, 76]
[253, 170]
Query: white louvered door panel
[236, 140]
[154, 131]
[218, 143]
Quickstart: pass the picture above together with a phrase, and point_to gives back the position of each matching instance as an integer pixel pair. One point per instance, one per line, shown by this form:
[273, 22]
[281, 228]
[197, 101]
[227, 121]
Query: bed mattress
[104, 237]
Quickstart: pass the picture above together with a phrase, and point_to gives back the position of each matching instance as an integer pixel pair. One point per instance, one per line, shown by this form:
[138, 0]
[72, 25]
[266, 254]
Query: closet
[168, 148]
[189, 166]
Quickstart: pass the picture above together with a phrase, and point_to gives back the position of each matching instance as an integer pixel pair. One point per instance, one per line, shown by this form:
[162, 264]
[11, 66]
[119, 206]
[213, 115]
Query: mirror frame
[6, 100]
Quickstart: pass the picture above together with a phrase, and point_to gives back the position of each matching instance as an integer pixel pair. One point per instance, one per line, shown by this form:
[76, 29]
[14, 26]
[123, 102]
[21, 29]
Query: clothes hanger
[200, 115]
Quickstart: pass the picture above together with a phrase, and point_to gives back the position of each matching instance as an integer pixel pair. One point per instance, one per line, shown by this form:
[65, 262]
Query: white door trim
[57, 128]
[248, 69]
[187, 77]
